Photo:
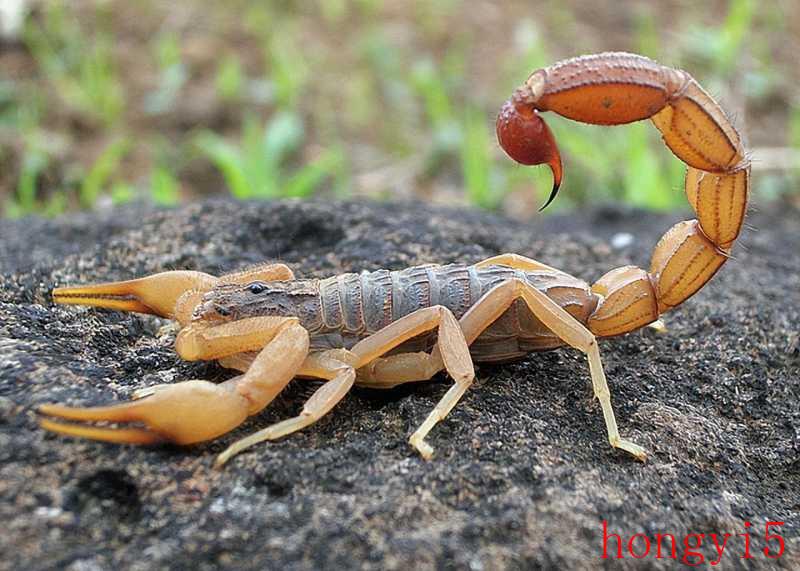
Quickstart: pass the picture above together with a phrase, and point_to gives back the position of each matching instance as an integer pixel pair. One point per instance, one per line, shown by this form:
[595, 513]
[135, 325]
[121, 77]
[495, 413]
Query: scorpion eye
[256, 288]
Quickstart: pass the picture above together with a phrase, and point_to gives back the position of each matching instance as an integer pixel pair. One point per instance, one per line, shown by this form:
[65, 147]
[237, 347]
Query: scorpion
[383, 328]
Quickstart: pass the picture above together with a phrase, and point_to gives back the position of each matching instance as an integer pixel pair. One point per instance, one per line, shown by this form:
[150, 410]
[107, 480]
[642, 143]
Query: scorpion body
[341, 310]
[384, 328]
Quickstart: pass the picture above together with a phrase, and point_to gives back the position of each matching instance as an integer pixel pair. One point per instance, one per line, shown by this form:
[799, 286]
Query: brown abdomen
[357, 305]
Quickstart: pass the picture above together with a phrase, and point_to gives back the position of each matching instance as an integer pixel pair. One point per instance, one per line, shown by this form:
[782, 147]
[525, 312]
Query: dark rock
[523, 476]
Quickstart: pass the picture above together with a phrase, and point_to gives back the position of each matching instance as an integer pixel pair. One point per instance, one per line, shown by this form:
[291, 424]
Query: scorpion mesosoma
[384, 328]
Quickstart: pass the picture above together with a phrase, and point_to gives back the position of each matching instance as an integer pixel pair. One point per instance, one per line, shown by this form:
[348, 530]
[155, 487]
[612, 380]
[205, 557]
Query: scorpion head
[233, 301]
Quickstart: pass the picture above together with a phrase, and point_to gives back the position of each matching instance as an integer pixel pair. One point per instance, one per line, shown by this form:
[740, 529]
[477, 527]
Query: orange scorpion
[383, 328]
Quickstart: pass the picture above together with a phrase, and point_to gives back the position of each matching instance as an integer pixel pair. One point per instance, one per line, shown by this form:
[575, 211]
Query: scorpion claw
[157, 294]
[116, 435]
[184, 413]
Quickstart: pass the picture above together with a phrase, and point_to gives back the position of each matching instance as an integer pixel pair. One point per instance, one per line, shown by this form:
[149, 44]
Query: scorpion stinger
[527, 139]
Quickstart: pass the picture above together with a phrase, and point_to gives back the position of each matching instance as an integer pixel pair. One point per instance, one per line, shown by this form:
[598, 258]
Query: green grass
[330, 91]
[37, 157]
[78, 64]
[99, 175]
[172, 75]
[288, 70]
[794, 127]
[32, 166]
[259, 166]
[476, 160]
[229, 80]
[722, 45]
[164, 187]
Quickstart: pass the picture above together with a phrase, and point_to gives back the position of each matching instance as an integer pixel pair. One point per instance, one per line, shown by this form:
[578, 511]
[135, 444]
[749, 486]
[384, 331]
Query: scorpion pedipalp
[184, 413]
[196, 411]
[157, 294]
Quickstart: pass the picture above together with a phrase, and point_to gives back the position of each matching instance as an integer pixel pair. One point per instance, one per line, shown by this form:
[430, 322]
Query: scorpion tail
[619, 88]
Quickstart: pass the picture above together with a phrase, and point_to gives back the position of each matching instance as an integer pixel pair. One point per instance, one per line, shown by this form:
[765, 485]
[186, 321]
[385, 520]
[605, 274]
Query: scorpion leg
[195, 411]
[325, 365]
[454, 350]
[391, 371]
[388, 372]
[528, 264]
[238, 361]
[560, 322]
[514, 261]
[451, 348]
[571, 331]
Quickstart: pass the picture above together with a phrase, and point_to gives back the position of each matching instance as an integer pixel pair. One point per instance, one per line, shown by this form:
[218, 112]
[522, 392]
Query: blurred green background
[105, 102]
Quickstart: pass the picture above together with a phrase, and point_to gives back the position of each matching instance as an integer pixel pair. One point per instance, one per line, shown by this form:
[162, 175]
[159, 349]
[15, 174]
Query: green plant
[35, 160]
[164, 187]
[794, 126]
[20, 107]
[476, 161]
[288, 69]
[465, 136]
[172, 75]
[529, 53]
[390, 92]
[333, 11]
[647, 39]
[624, 163]
[101, 172]
[418, 98]
[229, 78]
[429, 84]
[257, 167]
[79, 65]
[721, 45]
[122, 192]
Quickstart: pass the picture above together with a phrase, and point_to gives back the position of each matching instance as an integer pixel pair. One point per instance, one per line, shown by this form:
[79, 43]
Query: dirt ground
[523, 476]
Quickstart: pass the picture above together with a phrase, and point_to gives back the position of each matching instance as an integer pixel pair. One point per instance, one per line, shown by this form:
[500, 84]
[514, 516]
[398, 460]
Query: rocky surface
[523, 476]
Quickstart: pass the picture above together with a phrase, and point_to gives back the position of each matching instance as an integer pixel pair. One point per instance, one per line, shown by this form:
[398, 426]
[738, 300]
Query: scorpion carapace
[384, 328]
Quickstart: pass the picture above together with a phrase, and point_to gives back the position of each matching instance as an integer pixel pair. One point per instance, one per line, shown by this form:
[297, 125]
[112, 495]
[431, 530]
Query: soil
[523, 476]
